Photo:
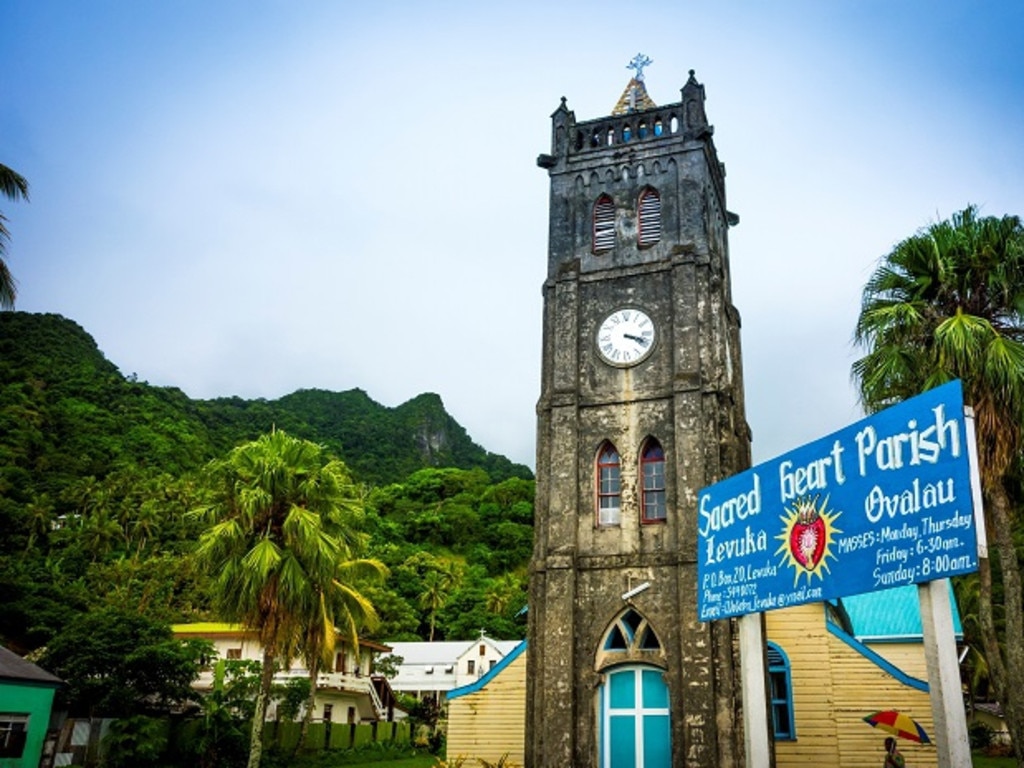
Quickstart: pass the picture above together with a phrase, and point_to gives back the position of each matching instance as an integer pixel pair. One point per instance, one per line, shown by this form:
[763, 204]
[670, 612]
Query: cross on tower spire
[638, 63]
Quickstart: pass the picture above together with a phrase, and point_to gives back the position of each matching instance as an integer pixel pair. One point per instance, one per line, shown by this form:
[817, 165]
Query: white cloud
[247, 202]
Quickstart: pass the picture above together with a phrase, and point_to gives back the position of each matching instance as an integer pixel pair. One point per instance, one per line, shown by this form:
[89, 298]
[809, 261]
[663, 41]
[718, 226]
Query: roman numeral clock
[626, 337]
[641, 405]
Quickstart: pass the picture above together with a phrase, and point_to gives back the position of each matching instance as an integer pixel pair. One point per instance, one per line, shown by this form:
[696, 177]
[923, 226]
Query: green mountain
[66, 412]
[99, 474]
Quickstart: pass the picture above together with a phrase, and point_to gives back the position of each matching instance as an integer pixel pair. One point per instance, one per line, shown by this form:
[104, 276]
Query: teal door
[635, 721]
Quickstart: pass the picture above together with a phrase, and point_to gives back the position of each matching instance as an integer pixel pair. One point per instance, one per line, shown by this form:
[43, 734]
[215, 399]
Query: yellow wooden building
[829, 666]
[487, 719]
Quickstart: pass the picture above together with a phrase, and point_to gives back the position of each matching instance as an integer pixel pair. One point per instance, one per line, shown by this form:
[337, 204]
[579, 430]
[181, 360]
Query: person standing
[893, 758]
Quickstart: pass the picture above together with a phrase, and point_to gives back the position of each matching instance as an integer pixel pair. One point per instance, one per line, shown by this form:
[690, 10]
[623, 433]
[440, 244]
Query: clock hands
[638, 339]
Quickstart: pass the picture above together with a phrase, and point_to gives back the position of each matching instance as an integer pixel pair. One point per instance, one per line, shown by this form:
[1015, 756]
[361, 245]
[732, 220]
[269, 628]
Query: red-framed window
[609, 486]
[652, 476]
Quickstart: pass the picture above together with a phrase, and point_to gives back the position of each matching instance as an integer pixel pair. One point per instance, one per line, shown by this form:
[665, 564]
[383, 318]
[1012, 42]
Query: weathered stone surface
[687, 393]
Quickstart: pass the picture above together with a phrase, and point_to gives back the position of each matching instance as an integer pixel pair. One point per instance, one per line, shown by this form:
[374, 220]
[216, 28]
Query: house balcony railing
[359, 685]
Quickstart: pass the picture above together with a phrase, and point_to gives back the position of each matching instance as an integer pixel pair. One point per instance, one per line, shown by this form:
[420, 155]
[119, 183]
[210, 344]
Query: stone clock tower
[641, 405]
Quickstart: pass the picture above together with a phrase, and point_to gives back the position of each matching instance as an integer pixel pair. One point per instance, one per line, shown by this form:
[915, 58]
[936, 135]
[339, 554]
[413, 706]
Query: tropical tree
[437, 587]
[974, 667]
[502, 592]
[40, 519]
[13, 186]
[276, 545]
[337, 603]
[115, 662]
[948, 303]
[100, 534]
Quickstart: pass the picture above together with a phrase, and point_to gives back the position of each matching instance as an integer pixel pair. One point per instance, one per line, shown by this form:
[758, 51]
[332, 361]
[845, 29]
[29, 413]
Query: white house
[348, 693]
[433, 669]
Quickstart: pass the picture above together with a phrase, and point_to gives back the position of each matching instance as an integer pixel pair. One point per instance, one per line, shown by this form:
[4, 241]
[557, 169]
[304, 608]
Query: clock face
[625, 337]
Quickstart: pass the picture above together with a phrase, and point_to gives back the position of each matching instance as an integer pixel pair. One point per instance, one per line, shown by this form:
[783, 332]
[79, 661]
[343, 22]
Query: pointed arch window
[781, 692]
[652, 474]
[609, 486]
[650, 217]
[604, 224]
[631, 632]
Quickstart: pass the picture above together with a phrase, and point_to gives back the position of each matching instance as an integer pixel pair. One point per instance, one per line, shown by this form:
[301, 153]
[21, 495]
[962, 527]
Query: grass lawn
[391, 757]
[980, 761]
[420, 761]
[428, 761]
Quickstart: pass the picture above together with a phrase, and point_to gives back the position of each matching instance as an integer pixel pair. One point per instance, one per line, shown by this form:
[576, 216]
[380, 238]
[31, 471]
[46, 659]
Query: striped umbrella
[898, 724]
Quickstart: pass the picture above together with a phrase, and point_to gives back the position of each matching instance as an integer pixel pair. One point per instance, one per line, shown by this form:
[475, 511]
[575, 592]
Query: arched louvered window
[604, 224]
[781, 693]
[609, 486]
[650, 217]
[652, 474]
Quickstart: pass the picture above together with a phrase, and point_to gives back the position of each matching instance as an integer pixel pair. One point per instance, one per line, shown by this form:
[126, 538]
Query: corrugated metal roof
[891, 615]
[446, 652]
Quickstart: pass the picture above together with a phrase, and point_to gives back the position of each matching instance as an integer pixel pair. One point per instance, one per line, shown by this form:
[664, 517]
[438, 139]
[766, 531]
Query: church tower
[641, 405]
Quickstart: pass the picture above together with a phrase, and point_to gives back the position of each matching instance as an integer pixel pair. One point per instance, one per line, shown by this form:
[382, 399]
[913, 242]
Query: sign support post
[755, 697]
[950, 729]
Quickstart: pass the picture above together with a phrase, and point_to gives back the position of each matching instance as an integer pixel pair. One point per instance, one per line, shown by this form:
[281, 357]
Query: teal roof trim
[892, 615]
[878, 661]
[491, 674]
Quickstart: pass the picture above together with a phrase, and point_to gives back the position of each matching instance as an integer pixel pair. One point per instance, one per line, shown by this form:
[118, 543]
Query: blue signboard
[884, 502]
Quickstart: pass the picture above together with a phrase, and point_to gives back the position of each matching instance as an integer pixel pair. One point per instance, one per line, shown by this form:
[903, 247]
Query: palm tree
[501, 592]
[337, 602]
[100, 533]
[145, 523]
[336, 599]
[275, 545]
[437, 585]
[40, 519]
[13, 186]
[948, 303]
[974, 667]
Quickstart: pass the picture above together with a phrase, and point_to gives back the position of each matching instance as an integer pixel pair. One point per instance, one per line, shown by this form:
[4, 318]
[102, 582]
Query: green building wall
[25, 698]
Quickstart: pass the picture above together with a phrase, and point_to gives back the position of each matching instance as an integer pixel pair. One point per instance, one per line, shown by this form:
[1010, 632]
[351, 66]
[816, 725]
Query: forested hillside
[99, 471]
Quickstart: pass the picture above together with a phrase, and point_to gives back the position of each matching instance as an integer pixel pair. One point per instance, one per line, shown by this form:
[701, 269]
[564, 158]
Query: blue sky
[247, 198]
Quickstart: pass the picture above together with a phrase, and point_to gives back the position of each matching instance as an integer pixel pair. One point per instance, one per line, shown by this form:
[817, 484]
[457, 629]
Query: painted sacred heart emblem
[805, 542]
[807, 538]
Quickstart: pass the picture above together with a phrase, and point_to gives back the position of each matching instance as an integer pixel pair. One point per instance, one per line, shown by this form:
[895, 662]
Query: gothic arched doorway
[634, 717]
